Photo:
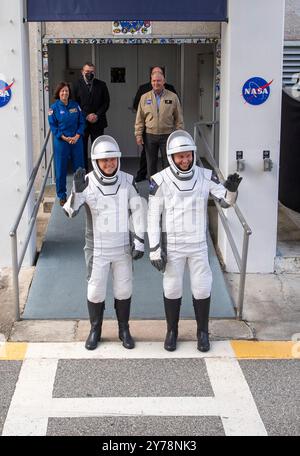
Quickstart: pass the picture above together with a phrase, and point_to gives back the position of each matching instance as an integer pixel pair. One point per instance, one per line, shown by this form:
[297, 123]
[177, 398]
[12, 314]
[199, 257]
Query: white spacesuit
[177, 221]
[112, 203]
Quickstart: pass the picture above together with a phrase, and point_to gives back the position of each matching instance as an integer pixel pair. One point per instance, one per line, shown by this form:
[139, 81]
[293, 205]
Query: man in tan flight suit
[159, 114]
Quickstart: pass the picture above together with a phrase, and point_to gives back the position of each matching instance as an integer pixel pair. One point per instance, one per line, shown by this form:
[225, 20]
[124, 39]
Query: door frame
[128, 41]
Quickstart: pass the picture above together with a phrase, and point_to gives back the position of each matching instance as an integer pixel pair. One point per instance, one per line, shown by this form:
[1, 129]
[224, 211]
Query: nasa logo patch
[256, 91]
[152, 187]
[5, 93]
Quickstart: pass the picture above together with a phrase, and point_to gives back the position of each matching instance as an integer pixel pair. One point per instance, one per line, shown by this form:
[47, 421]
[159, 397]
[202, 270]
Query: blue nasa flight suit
[66, 120]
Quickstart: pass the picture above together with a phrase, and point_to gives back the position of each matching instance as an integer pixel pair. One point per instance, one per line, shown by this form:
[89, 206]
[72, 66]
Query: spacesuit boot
[172, 310]
[96, 317]
[122, 307]
[201, 307]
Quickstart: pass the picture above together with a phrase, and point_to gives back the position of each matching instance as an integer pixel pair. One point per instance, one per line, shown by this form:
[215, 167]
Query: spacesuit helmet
[181, 141]
[105, 146]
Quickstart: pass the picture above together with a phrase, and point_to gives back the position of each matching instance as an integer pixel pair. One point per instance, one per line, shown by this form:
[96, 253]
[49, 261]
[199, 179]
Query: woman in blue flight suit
[67, 125]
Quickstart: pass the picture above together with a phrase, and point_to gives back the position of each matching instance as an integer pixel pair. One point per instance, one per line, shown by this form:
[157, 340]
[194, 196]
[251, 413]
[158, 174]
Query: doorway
[124, 69]
[190, 68]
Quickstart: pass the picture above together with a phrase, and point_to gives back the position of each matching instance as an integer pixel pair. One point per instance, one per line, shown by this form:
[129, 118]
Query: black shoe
[203, 341]
[62, 201]
[93, 339]
[201, 307]
[122, 307]
[96, 317]
[172, 310]
[125, 336]
[140, 178]
[171, 340]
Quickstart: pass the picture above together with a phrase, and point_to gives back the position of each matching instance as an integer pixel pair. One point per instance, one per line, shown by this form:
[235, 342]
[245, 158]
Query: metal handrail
[240, 260]
[17, 262]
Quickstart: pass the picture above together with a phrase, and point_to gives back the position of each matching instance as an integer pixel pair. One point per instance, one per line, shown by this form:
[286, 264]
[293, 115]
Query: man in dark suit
[93, 97]
[144, 88]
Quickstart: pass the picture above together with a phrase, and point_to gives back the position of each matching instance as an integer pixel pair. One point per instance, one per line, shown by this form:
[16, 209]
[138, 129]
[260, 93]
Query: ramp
[58, 289]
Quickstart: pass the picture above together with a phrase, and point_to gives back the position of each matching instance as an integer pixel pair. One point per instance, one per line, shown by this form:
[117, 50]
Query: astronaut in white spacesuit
[111, 201]
[177, 231]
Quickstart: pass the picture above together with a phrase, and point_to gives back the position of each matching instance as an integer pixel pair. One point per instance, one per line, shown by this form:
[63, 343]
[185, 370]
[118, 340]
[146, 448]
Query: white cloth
[181, 206]
[200, 272]
[120, 262]
[178, 214]
[111, 210]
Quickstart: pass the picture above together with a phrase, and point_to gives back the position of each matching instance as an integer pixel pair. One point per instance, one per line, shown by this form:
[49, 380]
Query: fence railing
[17, 258]
[241, 260]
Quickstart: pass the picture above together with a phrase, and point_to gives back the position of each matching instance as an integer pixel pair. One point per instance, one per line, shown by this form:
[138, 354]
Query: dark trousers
[142, 172]
[62, 153]
[154, 143]
[93, 132]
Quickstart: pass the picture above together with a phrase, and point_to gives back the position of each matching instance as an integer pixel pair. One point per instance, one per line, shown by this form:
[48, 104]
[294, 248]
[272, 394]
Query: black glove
[80, 181]
[160, 265]
[136, 254]
[232, 182]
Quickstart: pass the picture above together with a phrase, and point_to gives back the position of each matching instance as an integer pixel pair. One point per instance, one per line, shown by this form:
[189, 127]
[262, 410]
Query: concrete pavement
[271, 312]
[238, 388]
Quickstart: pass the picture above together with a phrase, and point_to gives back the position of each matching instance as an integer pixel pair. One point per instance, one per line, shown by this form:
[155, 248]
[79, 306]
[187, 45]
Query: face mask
[89, 77]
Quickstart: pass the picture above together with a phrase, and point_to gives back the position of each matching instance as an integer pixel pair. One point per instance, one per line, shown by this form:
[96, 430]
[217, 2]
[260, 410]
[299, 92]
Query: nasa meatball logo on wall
[256, 91]
[5, 93]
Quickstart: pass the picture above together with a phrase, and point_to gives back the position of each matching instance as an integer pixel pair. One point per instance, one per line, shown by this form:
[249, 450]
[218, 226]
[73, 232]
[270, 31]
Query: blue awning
[104, 10]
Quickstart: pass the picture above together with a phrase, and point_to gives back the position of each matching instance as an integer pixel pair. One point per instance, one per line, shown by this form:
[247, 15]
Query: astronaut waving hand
[177, 217]
[109, 196]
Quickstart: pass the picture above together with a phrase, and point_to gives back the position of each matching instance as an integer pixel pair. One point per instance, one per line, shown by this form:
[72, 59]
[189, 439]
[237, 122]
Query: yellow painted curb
[12, 351]
[246, 349]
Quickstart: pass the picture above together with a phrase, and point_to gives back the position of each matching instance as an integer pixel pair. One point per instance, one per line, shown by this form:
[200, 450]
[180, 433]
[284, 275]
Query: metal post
[16, 263]
[15, 273]
[213, 140]
[242, 276]
[52, 179]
